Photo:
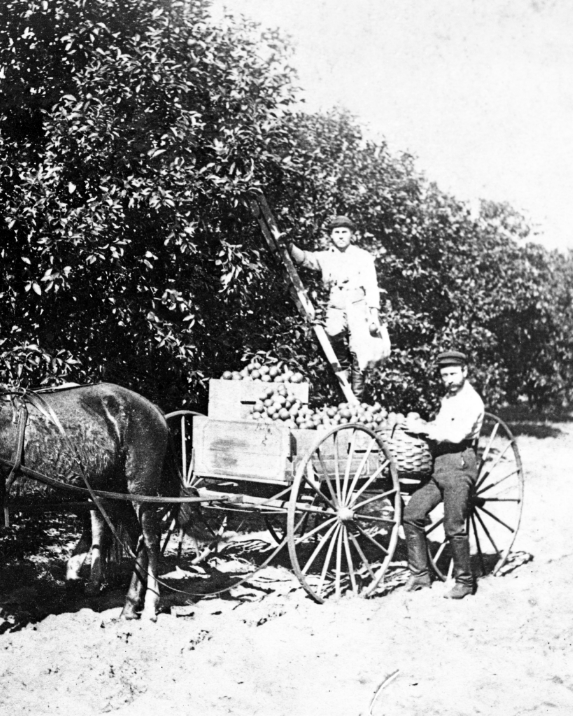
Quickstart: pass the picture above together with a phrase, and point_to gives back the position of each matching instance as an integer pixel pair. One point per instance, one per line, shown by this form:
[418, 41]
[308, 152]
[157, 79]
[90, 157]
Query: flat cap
[451, 358]
[341, 221]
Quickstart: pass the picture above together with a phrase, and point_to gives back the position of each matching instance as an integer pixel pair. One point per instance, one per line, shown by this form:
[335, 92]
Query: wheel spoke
[500, 499]
[485, 529]
[478, 545]
[362, 465]
[348, 466]
[451, 569]
[184, 448]
[381, 496]
[327, 480]
[349, 562]
[371, 518]
[370, 538]
[319, 547]
[494, 464]
[315, 530]
[317, 492]
[362, 555]
[440, 551]
[375, 475]
[436, 524]
[337, 468]
[495, 484]
[314, 510]
[338, 561]
[497, 519]
[328, 556]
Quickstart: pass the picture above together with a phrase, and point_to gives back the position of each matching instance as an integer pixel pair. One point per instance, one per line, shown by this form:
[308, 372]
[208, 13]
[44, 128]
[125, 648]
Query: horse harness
[19, 399]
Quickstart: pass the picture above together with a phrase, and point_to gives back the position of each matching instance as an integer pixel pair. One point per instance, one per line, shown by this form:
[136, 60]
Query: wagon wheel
[344, 513]
[180, 424]
[210, 522]
[495, 507]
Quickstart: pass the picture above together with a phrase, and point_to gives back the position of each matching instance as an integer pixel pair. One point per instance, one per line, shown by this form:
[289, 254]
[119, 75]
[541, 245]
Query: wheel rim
[344, 513]
[495, 508]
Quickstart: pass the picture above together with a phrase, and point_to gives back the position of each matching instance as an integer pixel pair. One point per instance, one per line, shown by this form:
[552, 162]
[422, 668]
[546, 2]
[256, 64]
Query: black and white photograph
[286, 357]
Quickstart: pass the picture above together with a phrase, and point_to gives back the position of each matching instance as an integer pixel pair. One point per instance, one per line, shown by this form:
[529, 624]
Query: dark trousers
[452, 480]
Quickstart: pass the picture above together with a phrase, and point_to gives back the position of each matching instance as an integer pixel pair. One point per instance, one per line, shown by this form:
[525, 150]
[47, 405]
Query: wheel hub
[345, 514]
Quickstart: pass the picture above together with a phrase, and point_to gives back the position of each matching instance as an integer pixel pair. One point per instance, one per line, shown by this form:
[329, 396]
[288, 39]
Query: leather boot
[417, 581]
[358, 380]
[464, 585]
[417, 559]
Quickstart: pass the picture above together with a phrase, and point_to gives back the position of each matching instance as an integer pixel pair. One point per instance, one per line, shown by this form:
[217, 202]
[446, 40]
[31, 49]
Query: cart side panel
[241, 450]
[233, 399]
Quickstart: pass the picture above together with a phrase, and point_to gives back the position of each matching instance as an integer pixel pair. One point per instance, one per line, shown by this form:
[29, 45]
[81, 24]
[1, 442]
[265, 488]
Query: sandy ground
[506, 651]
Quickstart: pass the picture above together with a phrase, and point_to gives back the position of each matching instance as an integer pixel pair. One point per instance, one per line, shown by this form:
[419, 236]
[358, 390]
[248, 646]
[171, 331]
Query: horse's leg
[79, 554]
[136, 589]
[151, 539]
[99, 537]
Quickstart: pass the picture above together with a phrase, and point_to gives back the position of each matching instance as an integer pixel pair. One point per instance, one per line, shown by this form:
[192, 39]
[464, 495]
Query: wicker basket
[411, 453]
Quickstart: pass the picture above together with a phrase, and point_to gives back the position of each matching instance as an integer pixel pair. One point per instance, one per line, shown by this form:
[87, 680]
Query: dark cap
[340, 222]
[451, 358]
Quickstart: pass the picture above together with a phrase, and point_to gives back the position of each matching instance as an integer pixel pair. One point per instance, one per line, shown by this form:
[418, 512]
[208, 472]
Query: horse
[100, 437]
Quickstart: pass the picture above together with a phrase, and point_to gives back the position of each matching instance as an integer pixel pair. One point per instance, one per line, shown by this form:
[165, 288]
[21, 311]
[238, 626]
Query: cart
[335, 497]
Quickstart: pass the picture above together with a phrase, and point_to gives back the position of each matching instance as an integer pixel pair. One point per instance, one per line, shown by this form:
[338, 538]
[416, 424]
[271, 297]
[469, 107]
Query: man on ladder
[353, 326]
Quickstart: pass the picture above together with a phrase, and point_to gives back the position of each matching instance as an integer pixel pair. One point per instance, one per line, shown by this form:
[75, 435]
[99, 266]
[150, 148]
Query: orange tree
[130, 135]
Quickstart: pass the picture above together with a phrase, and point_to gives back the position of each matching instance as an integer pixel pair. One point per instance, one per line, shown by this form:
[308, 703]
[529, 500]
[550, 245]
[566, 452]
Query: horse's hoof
[92, 590]
[129, 614]
[149, 616]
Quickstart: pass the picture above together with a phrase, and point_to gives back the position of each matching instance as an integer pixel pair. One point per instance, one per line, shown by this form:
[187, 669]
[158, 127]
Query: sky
[480, 91]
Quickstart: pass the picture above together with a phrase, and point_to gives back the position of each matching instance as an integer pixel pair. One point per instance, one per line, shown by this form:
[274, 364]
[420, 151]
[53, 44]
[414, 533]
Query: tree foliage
[130, 136]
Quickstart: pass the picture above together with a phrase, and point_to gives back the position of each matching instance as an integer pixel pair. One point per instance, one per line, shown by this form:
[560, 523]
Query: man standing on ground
[455, 432]
[352, 315]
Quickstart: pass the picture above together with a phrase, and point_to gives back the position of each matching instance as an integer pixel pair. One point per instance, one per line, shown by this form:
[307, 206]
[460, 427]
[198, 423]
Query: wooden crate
[242, 450]
[233, 399]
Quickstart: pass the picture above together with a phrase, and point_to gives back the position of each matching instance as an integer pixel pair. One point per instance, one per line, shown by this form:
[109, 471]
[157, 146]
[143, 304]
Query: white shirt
[460, 417]
[343, 271]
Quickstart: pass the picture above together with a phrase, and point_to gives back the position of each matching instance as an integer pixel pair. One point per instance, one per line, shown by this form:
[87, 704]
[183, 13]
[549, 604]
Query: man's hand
[374, 325]
[414, 424]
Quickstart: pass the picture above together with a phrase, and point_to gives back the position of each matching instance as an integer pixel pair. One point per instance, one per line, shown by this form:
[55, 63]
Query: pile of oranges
[273, 373]
[279, 404]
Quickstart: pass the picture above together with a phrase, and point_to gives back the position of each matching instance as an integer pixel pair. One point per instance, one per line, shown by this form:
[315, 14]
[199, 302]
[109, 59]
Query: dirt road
[507, 651]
